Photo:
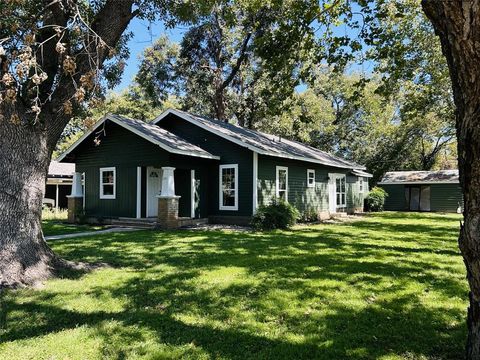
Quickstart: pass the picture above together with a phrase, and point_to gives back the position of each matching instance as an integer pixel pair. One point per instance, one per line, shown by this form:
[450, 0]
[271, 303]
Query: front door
[154, 186]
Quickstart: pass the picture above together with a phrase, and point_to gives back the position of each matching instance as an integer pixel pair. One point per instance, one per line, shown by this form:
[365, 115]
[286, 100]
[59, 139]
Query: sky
[144, 34]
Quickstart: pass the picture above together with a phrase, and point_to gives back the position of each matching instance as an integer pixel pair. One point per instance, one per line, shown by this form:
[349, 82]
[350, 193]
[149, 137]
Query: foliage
[360, 124]
[223, 67]
[231, 295]
[309, 215]
[375, 199]
[278, 214]
[53, 214]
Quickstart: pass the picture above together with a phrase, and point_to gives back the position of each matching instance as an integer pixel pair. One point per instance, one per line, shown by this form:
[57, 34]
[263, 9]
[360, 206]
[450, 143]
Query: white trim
[310, 171]
[190, 119]
[220, 192]
[417, 182]
[135, 131]
[102, 195]
[277, 190]
[56, 197]
[139, 192]
[192, 194]
[255, 183]
[84, 190]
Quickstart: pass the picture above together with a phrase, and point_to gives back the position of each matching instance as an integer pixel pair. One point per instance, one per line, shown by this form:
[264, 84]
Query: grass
[56, 227]
[390, 286]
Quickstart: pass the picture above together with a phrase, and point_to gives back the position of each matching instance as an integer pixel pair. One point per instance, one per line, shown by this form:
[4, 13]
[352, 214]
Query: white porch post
[168, 182]
[76, 199]
[168, 201]
[77, 185]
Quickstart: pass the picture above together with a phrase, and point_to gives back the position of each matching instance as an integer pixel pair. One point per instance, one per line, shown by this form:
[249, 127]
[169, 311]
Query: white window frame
[310, 171]
[277, 189]
[361, 185]
[220, 188]
[340, 177]
[102, 195]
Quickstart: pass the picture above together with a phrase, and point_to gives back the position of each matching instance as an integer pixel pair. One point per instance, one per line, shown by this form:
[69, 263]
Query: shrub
[309, 215]
[278, 215]
[375, 199]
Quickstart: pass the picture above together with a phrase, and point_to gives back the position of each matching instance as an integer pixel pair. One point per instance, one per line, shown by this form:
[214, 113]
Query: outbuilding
[423, 191]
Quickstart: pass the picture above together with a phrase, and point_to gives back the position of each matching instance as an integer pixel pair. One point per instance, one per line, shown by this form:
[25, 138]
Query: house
[423, 191]
[58, 185]
[181, 167]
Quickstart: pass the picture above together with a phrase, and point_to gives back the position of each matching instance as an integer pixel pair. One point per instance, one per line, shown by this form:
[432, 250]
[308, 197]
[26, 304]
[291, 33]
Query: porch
[159, 197]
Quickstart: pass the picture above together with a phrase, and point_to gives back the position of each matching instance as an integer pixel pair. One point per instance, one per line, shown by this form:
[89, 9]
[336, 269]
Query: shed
[423, 191]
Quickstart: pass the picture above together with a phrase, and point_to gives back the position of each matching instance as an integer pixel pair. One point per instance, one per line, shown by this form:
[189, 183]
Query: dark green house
[423, 191]
[182, 167]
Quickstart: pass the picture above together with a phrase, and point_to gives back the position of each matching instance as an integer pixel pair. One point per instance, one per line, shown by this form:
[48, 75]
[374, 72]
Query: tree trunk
[24, 160]
[457, 23]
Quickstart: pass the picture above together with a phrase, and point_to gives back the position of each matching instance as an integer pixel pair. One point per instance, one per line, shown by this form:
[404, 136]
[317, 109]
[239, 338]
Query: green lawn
[390, 286]
[56, 227]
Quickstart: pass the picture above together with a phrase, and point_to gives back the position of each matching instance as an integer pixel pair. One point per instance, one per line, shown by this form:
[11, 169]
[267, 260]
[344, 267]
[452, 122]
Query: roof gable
[156, 135]
[262, 143]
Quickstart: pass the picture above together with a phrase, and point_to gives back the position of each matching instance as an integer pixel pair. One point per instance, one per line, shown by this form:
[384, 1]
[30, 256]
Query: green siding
[299, 194]
[125, 151]
[443, 197]
[229, 153]
[396, 197]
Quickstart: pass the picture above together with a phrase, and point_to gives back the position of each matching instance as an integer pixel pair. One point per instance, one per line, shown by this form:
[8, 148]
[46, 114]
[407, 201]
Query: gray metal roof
[420, 177]
[263, 143]
[161, 137]
[361, 173]
[57, 169]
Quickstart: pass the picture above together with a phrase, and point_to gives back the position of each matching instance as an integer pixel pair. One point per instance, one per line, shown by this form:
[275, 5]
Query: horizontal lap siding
[396, 197]
[445, 197]
[229, 153]
[124, 151]
[299, 194]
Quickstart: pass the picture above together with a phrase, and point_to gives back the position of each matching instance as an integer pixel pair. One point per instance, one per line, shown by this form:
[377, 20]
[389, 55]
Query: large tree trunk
[24, 161]
[457, 23]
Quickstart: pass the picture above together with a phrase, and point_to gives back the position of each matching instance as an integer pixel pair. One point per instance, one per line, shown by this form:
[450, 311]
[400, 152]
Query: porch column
[75, 199]
[168, 201]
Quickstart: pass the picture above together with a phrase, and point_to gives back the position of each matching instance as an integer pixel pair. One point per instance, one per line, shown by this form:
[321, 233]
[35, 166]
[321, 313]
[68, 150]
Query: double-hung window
[282, 183]
[107, 183]
[310, 178]
[360, 185]
[340, 187]
[228, 180]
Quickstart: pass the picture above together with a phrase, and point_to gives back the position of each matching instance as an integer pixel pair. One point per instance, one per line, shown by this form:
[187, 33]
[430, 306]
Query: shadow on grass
[315, 266]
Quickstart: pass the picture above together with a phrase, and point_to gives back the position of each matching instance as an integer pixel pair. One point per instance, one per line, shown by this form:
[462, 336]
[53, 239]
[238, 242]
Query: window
[282, 183]
[340, 187]
[228, 187]
[310, 178]
[107, 183]
[360, 185]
